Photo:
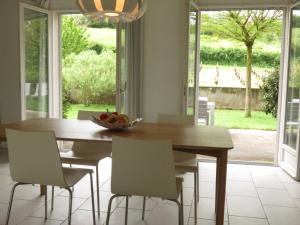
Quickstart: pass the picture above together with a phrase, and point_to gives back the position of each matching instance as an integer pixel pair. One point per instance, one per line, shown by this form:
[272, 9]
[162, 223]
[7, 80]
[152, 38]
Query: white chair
[203, 112]
[34, 159]
[144, 168]
[88, 154]
[184, 162]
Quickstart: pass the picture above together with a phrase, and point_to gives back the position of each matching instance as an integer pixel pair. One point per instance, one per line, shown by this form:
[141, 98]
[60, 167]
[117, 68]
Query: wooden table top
[194, 139]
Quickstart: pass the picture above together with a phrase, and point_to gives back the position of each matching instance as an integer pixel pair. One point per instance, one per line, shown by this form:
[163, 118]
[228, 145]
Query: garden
[89, 68]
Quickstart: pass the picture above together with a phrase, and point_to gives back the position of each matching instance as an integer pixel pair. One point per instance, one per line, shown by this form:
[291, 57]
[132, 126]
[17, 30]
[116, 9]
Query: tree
[246, 26]
[74, 37]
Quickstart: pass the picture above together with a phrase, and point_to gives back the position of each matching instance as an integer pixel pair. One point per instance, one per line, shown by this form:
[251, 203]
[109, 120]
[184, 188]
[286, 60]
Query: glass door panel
[191, 65]
[35, 64]
[290, 151]
[121, 68]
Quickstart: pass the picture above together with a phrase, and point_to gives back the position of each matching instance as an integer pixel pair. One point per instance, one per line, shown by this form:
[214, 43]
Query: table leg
[217, 182]
[43, 189]
[221, 189]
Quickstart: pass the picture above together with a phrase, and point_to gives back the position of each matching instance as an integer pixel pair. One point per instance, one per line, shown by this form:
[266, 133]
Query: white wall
[240, 3]
[9, 61]
[165, 57]
[10, 100]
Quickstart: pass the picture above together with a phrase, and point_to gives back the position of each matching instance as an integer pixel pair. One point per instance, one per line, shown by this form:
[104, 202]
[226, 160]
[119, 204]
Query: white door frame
[22, 7]
[294, 172]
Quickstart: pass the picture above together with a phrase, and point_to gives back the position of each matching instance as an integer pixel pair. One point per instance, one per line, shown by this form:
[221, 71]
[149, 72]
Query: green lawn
[236, 119]
[72, 113]
[224, 118]
[105, 36]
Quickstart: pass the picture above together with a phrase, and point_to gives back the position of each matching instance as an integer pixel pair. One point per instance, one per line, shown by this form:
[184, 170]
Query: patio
[268, 196]
[253, 145]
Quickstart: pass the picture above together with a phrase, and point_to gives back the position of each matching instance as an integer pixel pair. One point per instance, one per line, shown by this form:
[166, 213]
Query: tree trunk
[248, 96]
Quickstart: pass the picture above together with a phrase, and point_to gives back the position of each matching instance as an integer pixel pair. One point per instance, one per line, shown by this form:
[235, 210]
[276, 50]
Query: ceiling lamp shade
[113, 10]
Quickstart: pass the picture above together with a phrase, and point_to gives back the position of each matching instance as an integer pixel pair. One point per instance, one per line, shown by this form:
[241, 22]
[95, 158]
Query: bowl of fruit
[114, 120]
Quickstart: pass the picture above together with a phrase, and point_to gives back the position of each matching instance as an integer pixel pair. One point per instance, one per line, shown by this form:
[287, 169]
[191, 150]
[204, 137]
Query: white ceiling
[241, 3]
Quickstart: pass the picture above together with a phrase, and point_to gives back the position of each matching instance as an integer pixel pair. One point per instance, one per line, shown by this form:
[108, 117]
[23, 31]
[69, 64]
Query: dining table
[202, 140]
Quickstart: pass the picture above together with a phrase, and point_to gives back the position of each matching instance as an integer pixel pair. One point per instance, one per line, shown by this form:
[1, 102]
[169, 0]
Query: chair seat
[185, 162]
[83, 158]
[73, 175]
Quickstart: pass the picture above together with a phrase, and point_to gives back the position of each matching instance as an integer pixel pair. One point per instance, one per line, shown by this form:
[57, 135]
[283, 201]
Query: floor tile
[282, 215]
[261, 170]
[206, 209]
[234, 220]
[61, 208]
[81, 190]
[236, 175]
[164, 214]
[136, 202]
[104, 199]
[283, 176]
[207, 189]
[297, 202]
[39, 221]
[293, 189]
[275, 197]
[268, 182]
[134, 217]
[239, 188]
[245, 206]
[204, 222]
[20, 210]
[81, 217]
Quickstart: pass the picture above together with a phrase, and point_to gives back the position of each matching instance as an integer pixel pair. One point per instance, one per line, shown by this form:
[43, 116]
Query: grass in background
[105, 36]
[235, 119]
[73, 111]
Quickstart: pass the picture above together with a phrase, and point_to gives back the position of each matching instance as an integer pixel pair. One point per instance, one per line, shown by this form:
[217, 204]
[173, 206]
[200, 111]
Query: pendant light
[113, 10]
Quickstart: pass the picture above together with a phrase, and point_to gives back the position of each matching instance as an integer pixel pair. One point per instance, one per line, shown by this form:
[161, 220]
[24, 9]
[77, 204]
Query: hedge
[237, 57]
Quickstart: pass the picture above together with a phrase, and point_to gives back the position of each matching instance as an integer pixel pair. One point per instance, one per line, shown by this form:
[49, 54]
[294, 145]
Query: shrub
[66, 97]
[74, 37]
[269, 93]
[237, 57]
[97, 47]
[91, 77]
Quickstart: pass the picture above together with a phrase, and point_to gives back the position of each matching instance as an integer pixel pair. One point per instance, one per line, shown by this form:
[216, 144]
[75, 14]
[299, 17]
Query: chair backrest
[34, 158]
[143, 168]
[202, 108]
[85, 147]
[175, 119]
[87, 115]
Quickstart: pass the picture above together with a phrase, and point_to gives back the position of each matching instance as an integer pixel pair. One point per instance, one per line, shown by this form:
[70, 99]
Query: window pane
[36, 63]
[293, 94]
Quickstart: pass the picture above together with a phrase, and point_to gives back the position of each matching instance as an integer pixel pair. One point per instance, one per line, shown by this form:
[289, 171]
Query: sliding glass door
[34, 62]
[289, 155]
[192, 83]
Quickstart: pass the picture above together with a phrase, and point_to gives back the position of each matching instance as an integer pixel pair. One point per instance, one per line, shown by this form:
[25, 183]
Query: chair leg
[70, 206]
[46, 202]
[180, 211]
[198, 194]
[52, 199]
[109, 208]
[144, 206]
[98, 192]
[195, 196]
[126, 210]
[10, 201]
[181, 201]
[92, 196]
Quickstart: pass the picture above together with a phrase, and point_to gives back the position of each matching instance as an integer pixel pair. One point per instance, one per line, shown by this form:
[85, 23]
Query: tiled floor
[256, 195]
